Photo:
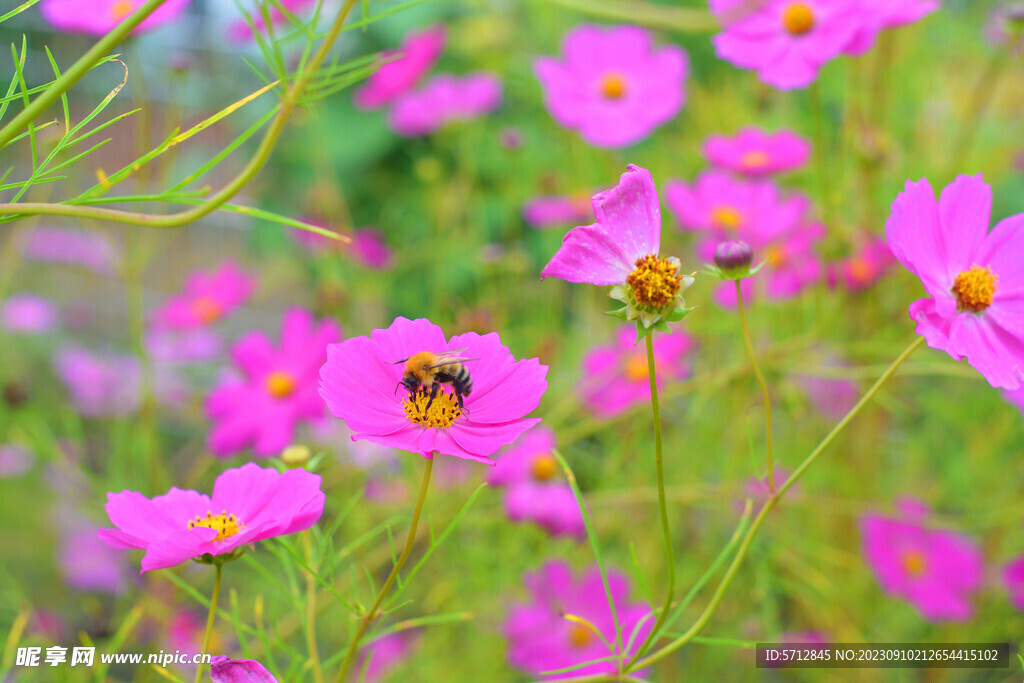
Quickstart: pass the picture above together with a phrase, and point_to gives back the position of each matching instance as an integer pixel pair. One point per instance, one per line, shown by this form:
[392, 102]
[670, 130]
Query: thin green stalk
[981, 98]
[741, 554]
[314, 655]
[764, 388]
[365, 622]
[209, 620]
[670, 557]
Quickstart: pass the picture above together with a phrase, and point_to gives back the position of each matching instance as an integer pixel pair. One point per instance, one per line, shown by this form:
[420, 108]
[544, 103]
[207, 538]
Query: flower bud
[296, 456]
[733, 259]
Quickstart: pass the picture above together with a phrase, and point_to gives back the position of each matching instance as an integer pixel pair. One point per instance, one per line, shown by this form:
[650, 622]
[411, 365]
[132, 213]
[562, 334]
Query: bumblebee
[427, 369]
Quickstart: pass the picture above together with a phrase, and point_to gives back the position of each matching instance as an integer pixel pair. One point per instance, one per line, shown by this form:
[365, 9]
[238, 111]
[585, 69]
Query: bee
[427, 369]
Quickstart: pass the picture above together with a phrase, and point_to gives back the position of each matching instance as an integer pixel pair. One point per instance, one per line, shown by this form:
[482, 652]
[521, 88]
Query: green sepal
[210, 558]
[619, 313]
[678, 314]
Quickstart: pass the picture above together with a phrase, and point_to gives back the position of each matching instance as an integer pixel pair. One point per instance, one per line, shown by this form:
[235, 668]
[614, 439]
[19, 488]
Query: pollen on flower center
[613, 86]
[636, 367]
[441, 412]
[280, 384]
[776, 256]
[655, 282]
[207, 309]
[580, 635]
[544, 467]
[798, 18]
[861, 271]
[914, 563]
[225, 525]
[726, 217]
[121, 9]
[755, 159]
[974, 289]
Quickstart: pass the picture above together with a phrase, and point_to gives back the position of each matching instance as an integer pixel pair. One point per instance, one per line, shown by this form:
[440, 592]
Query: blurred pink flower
[557, 211]
[541, 639]
[419, 52]
[443, 99]
[226, 670]
[613, 86]
[14, 461]
[254, 504]
[100, 384]
[240, 31]
[27, 314]
[615, 375]
[974, 278]
[1015, 397]
[98, 17]
[934, 570]
[756, 488]
[753, 152]
[833, 397]
[371, 250]
[74, 247]
[184, 346]
[787, 41]
[361, 378]
[534, 487]
[877, 15]
[208, 297]
[864, 268]
[1013, 579]
[1006, 26]
[384, 653]
[86, 562]
[277, 390]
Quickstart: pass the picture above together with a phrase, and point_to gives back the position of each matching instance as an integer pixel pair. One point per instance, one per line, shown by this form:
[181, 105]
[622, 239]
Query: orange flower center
[121, 9]
[439, 413]
[226, 525]
[974, 289]
[861, 271]
[798, 18]
[914, 563]
[613, 86]
[636, 367]
[655, 282]
[726, 217]
[544, 467]
[776, 256]
[280, 384]
[580, 635]
[207, 309]
[755, 159]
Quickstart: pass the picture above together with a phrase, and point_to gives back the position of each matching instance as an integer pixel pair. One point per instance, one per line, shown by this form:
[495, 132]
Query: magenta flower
[99, 17]
[753, 152]
[226, 670]
[787, 41]
[877, 15]
[74, 247]
[1013, 579]
[360, 383]
[27, 314]
[371, 250]
[615, 375]
[832, 397]
[100, 384]
[541, 639]
[444, 99]
[621, 249]
[1015, 397]
[418, 53]
[974, 278]
[557, 211]
[277, 390]
[186, 346]
[207, 298]
[384, 654]
[86, 562]
[249, 504]
[534, 487]
[1006, 26]
[934, 570]
[613, 86]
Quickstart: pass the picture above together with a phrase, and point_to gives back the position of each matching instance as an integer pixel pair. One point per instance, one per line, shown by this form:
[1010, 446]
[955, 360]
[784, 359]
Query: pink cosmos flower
[86, 562]
[361, 384]
[788, 41]
[277, 390]
[1013, 579]
[371, 250]
[615, 375]
[877, 15]
[185, 346]
[1015, 397]
[613, 86]
[99, 17]
[832, 397]
[444, 99]
[535, 490]
[75, 247]
[226, 670]
[14, 460]
[974, 278]
[419, 52]
[384, 654]
[755, 153]
[934, 570]
[249, 504]
[207, 298]
[1006, 26]
[557, 211]
[864, 268]
[27, 314]
[621, 249]
[100, 384]
[541, 639]
[240, 30]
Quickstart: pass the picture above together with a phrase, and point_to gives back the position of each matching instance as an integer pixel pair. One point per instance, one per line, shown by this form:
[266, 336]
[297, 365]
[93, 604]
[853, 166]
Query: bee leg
[462, 407]
[433, 394]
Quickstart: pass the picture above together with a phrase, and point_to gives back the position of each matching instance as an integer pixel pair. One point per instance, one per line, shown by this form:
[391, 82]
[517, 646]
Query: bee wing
[448, 360]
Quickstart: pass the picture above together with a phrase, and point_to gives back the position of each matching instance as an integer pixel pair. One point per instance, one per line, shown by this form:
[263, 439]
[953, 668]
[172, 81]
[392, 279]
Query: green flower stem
[365, 622]
[314, 655]
[288, 103]
[209, 619]
[764, 389]
[981, 98]
[670, 557]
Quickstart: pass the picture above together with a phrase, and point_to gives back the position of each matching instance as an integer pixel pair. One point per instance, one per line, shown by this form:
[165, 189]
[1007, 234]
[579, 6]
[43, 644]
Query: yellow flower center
[636, 367]
[755, 159]
[726, 217]
[544, 467]
[974, 289]
[580, 635]
[280, 384]
[121, 9]
[861, 271]
[226, 525]
[914, 563]
[798, 18]
[441, 413]
[776, 256]
[207, 309]
[655, 282]
[613, 86]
